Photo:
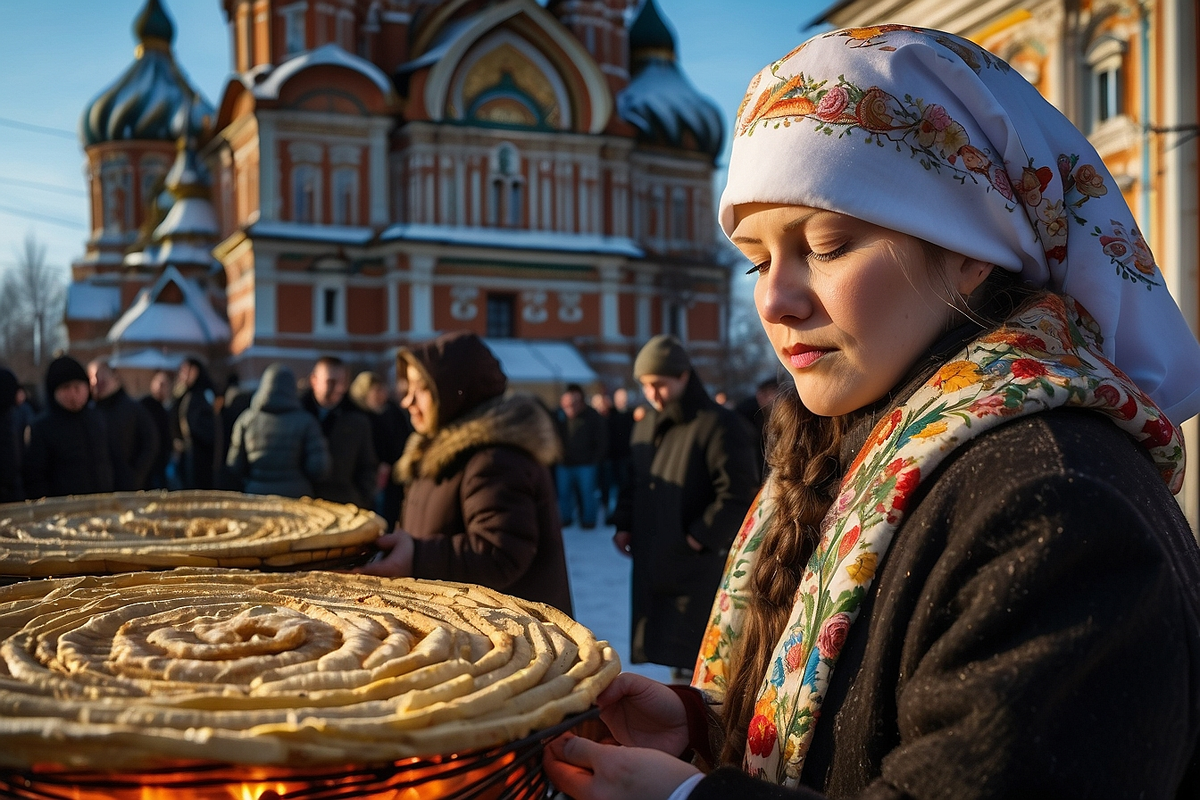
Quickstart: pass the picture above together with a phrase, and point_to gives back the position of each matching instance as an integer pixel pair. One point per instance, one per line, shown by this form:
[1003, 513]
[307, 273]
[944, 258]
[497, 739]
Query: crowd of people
[475, 482]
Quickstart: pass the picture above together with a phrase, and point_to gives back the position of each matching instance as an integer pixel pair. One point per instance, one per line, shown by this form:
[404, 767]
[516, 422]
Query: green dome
[649, 33]
[153, 23]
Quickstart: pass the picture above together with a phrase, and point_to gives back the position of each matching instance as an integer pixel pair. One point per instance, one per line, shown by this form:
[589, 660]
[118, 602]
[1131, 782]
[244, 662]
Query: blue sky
[56, 55]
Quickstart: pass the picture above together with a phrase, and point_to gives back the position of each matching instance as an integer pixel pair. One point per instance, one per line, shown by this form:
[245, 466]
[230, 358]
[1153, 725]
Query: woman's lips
[802, 356]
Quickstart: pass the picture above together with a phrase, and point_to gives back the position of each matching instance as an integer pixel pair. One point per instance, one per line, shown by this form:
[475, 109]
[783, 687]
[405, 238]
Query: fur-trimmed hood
[516, 420]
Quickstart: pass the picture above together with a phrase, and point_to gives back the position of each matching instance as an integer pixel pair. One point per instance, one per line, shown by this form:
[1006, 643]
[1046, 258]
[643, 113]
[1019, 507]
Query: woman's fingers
[568, 777]
[387, 541]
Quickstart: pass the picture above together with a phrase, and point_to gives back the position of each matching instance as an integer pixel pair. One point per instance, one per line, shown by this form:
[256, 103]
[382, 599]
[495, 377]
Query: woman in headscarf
[479, 502]
[966, 576]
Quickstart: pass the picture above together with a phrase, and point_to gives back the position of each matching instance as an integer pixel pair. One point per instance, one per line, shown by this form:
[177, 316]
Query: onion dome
[660, 101]
[142, 103]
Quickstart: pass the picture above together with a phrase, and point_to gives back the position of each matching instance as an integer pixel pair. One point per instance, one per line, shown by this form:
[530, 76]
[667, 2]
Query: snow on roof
[526, 361]
[188, 215]
[514, 239]
[174, 252]
[146, 359]
[441, 43]
[326, 54]
[342, 234]
[661, 97]
[192, 321]
[88, 301]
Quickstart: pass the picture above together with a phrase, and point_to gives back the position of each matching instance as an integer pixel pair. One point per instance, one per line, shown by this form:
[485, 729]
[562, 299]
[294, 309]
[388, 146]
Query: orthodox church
[379, 171]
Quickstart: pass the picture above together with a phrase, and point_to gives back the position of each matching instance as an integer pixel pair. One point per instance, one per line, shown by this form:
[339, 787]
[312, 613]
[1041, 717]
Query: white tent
[540, 362]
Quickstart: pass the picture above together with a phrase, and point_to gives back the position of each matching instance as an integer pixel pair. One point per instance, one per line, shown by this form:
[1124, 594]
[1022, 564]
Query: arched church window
[507, 187]
[679, 215]
[1106, 76]
[516, 200]
[294, 34]
[116, 185]
[306, 189]
[345, 197]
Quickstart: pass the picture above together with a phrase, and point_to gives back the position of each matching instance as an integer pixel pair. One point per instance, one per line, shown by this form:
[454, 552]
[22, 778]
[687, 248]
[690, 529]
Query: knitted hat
[662, 355]
[63, 369]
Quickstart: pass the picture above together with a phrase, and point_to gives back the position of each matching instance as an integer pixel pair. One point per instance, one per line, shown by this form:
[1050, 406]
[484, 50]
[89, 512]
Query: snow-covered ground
[600, 591]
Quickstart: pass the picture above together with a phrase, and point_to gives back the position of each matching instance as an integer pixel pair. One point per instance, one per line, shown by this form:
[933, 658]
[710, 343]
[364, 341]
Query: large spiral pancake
[126, 531]
[133, 670]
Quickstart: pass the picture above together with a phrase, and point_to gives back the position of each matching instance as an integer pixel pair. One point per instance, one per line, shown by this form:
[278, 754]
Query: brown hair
[803, 458]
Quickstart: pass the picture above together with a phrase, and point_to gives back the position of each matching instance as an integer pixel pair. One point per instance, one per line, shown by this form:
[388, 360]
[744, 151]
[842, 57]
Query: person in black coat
[11, 441]
[130, 427]
[194, 425]
[155, 404]
[348, 434]
[692, 477]
[584, 436]
[69, 450]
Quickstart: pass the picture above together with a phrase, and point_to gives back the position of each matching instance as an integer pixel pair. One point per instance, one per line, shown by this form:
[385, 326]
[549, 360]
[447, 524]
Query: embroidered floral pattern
[1044, 358]
[1052, 195]
[1129, 253]
[932, 136]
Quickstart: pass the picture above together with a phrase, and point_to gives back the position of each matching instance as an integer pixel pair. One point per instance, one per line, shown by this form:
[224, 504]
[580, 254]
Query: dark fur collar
[514, 421]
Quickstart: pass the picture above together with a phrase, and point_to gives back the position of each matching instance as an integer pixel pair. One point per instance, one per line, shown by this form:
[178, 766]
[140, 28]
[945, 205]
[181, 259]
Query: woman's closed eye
[812, 255]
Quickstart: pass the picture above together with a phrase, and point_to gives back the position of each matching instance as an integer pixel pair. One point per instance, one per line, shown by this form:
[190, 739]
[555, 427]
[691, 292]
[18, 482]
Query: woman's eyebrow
[788, 228]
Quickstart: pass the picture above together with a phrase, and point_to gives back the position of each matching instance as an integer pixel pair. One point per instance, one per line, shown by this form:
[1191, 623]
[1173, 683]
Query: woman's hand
[395, 556]
[587, 770]
[642, 712]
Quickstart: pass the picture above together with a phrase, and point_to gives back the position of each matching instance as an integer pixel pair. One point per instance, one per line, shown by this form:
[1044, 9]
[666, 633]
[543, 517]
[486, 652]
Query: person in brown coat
[479, 503]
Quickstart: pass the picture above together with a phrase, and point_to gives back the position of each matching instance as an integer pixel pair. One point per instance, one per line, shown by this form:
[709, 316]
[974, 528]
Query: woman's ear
[968, 274]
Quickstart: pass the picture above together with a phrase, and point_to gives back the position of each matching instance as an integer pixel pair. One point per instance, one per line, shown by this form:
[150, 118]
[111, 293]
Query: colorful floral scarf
[1046, 357]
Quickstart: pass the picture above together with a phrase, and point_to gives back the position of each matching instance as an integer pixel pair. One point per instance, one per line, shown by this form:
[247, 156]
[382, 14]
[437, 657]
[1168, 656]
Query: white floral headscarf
[928, 134]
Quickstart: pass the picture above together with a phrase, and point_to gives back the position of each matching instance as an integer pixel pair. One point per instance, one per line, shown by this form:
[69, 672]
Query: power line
[49, 187]
[20, 212]
[26, 126]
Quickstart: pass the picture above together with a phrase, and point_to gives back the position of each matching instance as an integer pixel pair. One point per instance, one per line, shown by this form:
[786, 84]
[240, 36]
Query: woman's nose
[783, 293]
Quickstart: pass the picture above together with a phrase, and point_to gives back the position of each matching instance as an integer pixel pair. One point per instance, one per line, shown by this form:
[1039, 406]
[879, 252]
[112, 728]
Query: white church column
[268, 171]
[421, 294]
[610, 307]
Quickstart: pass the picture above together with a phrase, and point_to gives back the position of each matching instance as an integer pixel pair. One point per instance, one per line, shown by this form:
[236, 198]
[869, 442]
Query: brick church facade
[379, 171]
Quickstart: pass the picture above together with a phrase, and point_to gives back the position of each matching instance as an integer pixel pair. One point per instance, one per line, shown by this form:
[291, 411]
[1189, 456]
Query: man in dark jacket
[347, 432]
[12, 488]
[69, 450]
[130, 428]
[692, 477]
[155, 404]
[275, 446]
[194, 425]
[584, 442]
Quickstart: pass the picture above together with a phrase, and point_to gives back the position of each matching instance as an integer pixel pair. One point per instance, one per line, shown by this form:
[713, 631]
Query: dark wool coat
[584, 437]
[194, 421]
[348, 435]
[692, 472]
[134, 440]
[277, 447]
[68, 453]
[161, 418]
[1034, 631]
[479, 501]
